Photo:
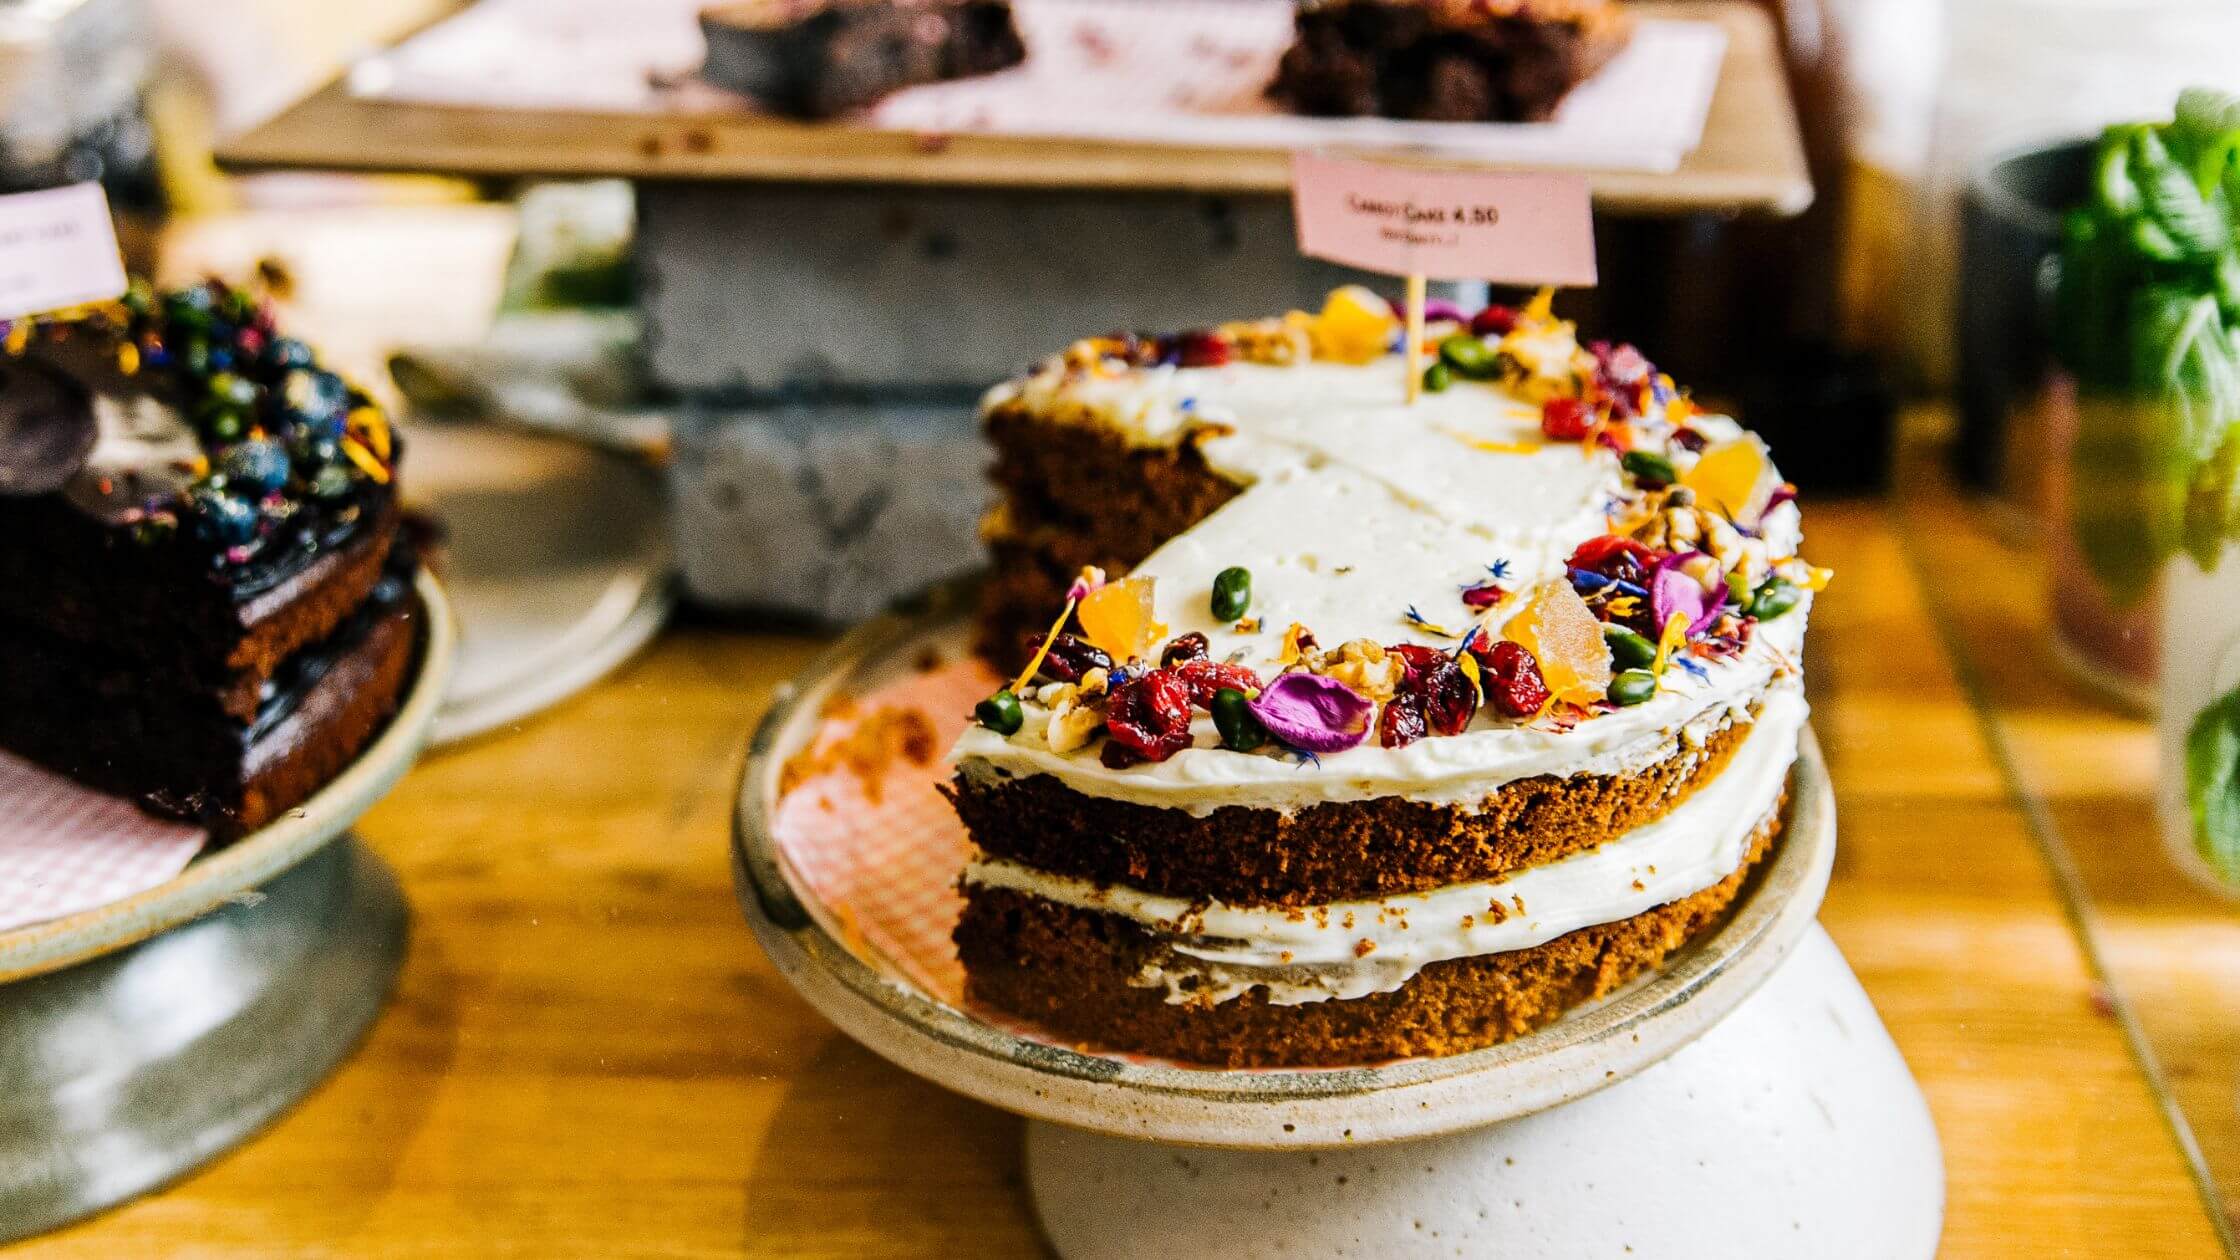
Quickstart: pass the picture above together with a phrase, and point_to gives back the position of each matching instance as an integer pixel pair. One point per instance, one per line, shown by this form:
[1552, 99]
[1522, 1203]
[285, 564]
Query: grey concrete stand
[125, 1072]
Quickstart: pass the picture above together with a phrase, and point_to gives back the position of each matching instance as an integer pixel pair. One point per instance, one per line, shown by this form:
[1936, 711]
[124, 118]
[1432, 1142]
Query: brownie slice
[815, 59]
[1450, 61]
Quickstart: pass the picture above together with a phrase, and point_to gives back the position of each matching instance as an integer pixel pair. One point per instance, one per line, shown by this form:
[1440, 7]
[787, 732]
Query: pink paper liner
[65, 848]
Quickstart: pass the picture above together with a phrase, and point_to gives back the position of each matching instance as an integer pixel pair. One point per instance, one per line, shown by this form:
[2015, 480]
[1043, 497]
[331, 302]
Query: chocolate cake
[1346, 728]
[1446, 60]
[203, 601]
[820, 58]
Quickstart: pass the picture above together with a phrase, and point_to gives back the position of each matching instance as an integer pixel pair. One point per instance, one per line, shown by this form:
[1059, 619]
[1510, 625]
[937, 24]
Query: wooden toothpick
[1415, 335]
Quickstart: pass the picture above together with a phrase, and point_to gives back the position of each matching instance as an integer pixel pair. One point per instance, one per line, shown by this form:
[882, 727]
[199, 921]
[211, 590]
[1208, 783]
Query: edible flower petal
[1313, 714]
[1672, 590]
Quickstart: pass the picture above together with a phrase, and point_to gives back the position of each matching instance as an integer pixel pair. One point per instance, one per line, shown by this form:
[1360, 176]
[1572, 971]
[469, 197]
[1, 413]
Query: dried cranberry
[1117, 756]
[1689, 440]
[1072, 656]
[1150, 715]
[1438, 686]
[1511, 677]
[1202, 678]
[1483, 595]
[1494, 321]
[1201, 349]
[1609, 553]
[1417, 658]
[1189, 647]
[1563, 419]
[1402, 722]
[1621, 371]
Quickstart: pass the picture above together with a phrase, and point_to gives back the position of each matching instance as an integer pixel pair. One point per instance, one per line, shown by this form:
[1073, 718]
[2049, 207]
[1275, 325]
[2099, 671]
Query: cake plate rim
[238, 869]
[1267, 1109]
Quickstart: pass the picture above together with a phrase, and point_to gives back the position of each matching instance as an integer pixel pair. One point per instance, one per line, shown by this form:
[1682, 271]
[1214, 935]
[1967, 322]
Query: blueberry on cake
[204, 605]
[1347, 729]
[1446, 60]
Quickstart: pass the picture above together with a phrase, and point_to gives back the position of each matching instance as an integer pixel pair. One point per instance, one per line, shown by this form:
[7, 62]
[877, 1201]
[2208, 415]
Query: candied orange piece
[1562, 633]
[1355, 326]
[1728, 478]
[1117, 617]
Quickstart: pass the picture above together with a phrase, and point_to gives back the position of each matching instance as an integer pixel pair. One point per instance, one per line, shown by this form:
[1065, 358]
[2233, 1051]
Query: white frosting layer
[1358, 507]
[1351, 949]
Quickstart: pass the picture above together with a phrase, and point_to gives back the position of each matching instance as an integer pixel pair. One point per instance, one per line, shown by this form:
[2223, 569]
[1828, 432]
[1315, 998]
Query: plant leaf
[2195, 225]
[2213, 784]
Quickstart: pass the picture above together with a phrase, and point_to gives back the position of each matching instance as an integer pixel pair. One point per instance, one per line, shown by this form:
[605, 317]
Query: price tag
[1512, 227]
[58, 248]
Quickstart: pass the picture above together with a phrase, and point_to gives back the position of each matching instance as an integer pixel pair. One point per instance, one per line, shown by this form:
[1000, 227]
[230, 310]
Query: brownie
[202, 596]
[820, 58]
[1446, 60]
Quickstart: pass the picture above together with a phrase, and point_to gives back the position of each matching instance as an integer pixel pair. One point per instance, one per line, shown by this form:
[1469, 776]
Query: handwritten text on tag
[1513, 227]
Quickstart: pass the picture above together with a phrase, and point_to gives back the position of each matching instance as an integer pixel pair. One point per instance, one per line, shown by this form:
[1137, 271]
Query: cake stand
[144, 1037]
[1745, 1100]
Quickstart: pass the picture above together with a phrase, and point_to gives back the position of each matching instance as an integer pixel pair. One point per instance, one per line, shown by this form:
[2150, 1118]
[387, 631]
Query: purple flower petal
[1312, 713]
[1671, 591]
[1436, 309]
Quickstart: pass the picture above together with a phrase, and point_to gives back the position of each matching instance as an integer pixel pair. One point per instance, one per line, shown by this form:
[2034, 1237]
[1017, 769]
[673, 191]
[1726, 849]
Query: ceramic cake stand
[142, 1038]
[1744, 1101]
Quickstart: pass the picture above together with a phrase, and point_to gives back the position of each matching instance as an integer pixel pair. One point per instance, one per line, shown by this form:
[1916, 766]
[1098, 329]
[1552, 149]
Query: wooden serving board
[1750, 156]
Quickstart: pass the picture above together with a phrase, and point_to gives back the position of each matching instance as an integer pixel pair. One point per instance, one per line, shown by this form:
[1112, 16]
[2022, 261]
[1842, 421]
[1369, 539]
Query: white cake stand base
[1791, 1128]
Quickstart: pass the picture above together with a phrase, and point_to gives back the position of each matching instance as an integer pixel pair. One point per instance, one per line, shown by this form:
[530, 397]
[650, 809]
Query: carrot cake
[1348, 728]
[204, 602]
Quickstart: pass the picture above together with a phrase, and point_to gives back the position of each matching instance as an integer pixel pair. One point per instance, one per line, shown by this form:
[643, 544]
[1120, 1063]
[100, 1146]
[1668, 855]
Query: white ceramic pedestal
[1742, 1101]
[1792, 1128]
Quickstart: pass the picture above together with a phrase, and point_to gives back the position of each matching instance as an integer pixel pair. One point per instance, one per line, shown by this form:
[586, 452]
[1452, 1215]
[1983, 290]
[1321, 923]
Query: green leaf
[2212, 502]
[2154, 241]
[2213, 783]
[2198, 225]
[2112, 187]
[2205, 126]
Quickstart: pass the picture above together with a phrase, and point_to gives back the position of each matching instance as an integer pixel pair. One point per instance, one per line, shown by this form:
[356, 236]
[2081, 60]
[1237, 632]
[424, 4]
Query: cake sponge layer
[1071, 972]
[1335, 851]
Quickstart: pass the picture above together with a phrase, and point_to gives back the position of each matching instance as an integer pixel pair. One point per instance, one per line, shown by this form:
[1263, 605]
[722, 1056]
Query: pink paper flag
[1512, 227]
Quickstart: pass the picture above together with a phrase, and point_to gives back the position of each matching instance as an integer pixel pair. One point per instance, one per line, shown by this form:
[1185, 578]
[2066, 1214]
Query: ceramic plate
[240, 868]
[556, 556]
[867, 997]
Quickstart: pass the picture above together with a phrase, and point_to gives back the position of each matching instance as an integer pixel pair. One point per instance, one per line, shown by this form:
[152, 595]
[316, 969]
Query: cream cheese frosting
[1358, 507]
[1348, 950]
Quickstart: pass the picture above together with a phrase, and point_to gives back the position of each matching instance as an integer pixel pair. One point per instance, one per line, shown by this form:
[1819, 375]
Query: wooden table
[588, 1056]
[1751, 157]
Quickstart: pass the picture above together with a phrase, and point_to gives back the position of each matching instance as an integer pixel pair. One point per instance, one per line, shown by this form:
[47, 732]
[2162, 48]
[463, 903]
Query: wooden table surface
[588, 1056]
[1751, 157]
